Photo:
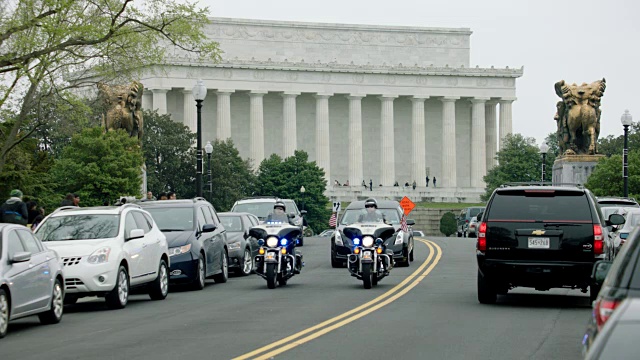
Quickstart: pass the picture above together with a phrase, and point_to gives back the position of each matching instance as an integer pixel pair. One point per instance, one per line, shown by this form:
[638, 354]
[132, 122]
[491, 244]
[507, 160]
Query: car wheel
[487, 293]
[4, 313]
[70, 299]
[54, 315]
[119, 296]
[411, 255]
[247, 263]
[335, 263]
[459, 234]
[199, 282]
[160, 286]
[224, 275]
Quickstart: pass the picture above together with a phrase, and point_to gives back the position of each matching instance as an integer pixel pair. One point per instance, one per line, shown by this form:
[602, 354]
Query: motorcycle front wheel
[271, 276]
[366, 275]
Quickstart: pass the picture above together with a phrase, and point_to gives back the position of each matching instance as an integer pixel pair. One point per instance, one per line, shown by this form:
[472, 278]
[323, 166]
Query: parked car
[401, 243]
[418, 233]
[327, 233]
[616, 281]
[464, 218]
[31, 278]
[619, 336]
[541, 237]
[243, 247]
[197, 240]
[262, 206]
[106, 251]
[617, 202]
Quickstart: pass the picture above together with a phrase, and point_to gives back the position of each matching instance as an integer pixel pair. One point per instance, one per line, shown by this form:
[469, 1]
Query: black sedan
[197, 240]
[401, 243]
[242, 247]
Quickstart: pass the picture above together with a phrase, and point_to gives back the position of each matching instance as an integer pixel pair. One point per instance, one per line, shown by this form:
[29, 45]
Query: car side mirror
[135, 234]
[615, 219]
[291, 215]
[208, 228]
[303, 212]
[411, 222]
[21, 257]
[600, 271]
[245, 235]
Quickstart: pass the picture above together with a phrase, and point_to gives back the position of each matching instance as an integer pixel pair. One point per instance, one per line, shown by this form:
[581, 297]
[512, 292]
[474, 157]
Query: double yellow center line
[324, 327]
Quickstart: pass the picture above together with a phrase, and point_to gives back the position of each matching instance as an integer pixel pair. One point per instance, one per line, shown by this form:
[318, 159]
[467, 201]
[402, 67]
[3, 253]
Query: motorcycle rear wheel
[366, 275]
[271, 276]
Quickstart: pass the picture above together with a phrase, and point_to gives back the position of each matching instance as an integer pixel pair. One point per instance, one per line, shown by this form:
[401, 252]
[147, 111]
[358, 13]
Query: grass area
[437, 205]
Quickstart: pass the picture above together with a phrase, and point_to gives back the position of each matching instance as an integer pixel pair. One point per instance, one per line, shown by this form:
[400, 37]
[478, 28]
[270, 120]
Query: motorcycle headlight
[338, 238]
[367, 241]
[179, 250]
[100, 256]
[272, 241]
[399, 238]
[234, 246]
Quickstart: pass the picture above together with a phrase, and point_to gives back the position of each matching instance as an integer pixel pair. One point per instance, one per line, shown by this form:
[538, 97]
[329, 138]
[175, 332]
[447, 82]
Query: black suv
[540, 237]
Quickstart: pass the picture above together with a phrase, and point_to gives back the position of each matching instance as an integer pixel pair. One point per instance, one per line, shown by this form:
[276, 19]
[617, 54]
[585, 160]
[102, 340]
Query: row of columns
[483, 132]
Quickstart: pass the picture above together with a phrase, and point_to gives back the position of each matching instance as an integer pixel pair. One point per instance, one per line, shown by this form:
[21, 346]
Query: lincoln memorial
[379, 103]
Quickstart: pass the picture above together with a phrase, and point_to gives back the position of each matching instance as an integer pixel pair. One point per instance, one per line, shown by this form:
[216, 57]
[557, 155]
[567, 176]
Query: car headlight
[100, 256]
[399, 238]
[179, 250]
[272, 241]
[234, 246]
[367, 241]
[338, 238]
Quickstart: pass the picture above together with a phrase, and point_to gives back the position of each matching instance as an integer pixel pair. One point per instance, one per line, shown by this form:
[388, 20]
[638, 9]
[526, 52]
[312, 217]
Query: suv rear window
[540, 205]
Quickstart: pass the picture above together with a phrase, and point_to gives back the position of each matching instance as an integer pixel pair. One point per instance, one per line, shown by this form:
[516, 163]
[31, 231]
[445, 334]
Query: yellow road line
[365, 309]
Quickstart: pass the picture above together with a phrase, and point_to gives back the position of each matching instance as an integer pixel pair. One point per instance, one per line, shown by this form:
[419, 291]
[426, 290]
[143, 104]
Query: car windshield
[259, 209]
[351, 216]
[231, 223]
[172, 218]
[79, 227]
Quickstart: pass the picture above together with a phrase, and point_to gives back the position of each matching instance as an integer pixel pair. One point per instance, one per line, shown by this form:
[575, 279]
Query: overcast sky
[578, 41]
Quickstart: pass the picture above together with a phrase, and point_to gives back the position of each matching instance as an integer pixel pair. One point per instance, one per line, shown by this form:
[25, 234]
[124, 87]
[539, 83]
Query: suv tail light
[603, 310]
[598, 243]
[482, 237]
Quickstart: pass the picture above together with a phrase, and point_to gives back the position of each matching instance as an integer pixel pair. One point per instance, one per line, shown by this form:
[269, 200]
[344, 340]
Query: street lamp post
[302, 190]
[626, 122]
[209, 149]
[544, 149]
[199, 93]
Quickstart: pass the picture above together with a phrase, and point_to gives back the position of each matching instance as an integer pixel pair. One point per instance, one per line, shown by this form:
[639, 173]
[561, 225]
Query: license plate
[539, 243]
[366, 255]
[271, 256]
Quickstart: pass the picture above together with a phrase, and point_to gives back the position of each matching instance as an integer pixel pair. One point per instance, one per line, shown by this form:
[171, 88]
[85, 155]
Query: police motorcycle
[277, 260]
[369, 262]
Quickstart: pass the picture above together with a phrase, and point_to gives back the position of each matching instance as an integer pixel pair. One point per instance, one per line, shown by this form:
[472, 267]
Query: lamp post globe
[302, 191]
[626, 121]
[209, 149]
[199, 94]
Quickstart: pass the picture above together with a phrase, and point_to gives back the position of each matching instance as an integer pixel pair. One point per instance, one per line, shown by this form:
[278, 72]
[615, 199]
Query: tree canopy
[232, 176]
[607, 180]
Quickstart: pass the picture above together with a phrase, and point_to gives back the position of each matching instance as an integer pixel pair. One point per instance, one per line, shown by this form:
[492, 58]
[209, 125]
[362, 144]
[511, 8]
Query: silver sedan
[31, 281]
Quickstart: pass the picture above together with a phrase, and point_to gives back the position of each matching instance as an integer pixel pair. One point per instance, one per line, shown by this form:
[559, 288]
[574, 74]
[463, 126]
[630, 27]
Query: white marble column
[505, 119]
[323, 147]
[160, 100]
[491, 134]
[289, 129]
[418, 158]
[223, 130]
[147, 100]
[448, 178]
[189, 112]
[387, 141]
[355, 139]
[478, 154]
[256, 127]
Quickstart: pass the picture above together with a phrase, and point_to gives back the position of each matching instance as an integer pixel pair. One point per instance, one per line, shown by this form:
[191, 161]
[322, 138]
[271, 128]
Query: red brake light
[482, 237]
[598, 244]
[603, 310]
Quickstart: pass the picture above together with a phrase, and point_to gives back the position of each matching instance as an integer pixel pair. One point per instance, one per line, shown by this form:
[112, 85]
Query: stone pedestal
[574, 169]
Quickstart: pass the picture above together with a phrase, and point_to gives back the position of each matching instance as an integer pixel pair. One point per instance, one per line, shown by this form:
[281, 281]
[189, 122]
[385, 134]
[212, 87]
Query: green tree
[99, 166]
[232, 176]
[448, 224]
[606, 179]
[169, 155]
[519, 160]
[613, 145]
[42, 41]
[284, 179]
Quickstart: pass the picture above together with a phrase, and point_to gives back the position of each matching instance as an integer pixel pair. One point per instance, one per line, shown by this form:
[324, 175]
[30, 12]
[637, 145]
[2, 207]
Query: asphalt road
[432, 313]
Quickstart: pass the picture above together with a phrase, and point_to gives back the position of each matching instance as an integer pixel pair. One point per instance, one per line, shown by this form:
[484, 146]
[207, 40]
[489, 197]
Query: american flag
[403, 224]
[333, 221]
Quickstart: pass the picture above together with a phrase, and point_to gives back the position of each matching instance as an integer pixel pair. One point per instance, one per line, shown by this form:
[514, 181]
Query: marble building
[386, 103]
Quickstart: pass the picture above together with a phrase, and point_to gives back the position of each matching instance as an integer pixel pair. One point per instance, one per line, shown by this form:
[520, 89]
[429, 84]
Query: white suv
[107, 250]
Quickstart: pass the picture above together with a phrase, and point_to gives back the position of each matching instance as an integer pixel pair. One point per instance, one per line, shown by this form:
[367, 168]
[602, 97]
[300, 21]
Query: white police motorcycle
[277, 261]
[370, 261]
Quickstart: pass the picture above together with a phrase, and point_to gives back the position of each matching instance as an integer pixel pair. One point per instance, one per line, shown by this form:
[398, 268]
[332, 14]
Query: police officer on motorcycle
[279, 214]
[371, 212]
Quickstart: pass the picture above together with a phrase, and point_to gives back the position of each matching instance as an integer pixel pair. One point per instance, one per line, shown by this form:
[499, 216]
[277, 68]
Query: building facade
[379, 104]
